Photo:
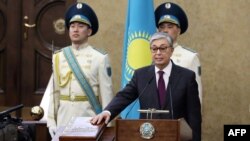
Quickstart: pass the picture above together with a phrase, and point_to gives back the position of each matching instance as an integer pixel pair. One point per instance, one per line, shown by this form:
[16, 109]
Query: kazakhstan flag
[140, 25]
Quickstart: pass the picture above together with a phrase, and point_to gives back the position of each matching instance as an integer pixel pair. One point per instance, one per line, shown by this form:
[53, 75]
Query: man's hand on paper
[98, 119]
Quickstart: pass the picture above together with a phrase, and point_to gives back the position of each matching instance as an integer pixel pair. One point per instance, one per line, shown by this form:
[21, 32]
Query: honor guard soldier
[171, 18]
[82, 83]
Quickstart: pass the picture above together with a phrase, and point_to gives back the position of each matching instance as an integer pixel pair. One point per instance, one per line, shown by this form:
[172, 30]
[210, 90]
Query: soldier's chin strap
[79, 74]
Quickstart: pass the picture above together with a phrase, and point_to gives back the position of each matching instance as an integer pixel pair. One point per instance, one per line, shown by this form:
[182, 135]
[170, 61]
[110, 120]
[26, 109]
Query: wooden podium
[164, 130]
[125, 130]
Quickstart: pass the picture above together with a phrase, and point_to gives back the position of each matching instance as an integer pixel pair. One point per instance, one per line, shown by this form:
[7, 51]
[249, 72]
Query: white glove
[52, 131]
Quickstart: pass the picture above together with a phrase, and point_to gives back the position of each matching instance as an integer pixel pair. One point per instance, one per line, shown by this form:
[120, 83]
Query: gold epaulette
[102, 51]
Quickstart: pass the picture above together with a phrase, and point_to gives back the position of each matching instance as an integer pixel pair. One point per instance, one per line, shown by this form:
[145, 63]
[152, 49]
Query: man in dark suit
[174, 88]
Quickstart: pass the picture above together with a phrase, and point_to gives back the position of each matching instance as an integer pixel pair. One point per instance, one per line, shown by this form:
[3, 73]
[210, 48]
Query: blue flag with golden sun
[140, 25]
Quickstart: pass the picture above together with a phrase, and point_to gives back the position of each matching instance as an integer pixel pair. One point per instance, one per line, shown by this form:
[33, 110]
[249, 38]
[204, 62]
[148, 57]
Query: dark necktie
[161, 87]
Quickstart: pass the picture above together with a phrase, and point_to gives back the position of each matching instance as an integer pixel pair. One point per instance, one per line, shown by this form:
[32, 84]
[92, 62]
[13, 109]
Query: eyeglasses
[161, 49]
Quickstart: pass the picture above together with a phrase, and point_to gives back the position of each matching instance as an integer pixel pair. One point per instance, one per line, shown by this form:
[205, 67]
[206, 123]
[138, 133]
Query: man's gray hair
[161, 35]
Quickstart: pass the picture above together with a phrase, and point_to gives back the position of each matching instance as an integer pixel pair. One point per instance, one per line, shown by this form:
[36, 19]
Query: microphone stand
[152, 111]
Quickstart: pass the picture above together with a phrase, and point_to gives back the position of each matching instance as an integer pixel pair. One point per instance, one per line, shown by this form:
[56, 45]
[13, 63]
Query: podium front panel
[165, 130]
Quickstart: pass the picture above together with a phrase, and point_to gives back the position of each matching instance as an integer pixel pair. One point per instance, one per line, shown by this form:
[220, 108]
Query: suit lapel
[174, 76]
[173, 81]
[153, 86]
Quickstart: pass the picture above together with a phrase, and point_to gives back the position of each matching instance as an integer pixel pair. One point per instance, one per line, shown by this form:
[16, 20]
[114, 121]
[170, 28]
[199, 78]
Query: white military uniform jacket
[188, 59]
[67, 98]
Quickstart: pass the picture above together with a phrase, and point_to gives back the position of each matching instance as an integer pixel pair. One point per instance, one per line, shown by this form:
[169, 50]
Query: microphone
[140, 94]
[171, 100]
